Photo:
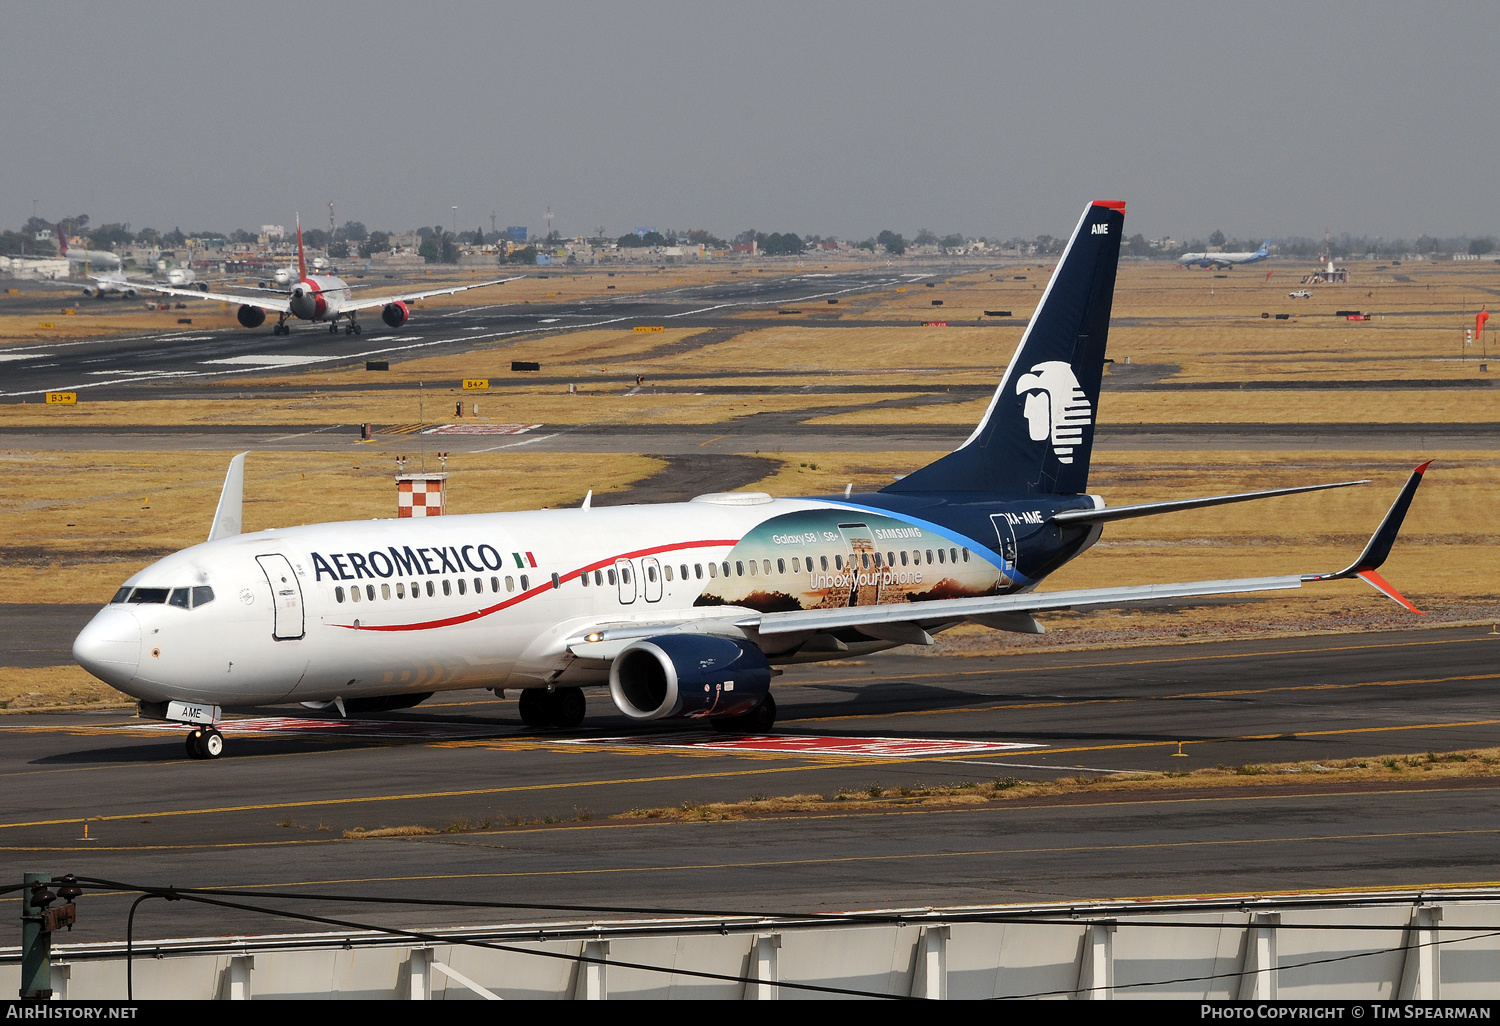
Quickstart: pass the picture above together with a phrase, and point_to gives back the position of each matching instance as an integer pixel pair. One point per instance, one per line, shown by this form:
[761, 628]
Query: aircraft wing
[407, 297]
[281, 305]
[910, 622]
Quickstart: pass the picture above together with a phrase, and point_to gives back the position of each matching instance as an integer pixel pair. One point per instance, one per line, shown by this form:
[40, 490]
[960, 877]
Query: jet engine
[688, 675]
[394, 314]
[306, 303]
[251, 316]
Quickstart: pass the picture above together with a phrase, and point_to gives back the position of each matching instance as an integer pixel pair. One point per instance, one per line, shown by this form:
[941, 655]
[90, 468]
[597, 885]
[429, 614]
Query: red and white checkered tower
[421, 495]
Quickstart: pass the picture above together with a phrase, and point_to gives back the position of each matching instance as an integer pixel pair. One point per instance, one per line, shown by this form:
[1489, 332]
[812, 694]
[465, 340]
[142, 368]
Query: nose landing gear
[205, 743]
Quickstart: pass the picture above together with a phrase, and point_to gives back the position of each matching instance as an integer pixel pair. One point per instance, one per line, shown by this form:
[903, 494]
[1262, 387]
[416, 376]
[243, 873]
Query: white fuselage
[319, 297]
[470, 601]
[1224, 259]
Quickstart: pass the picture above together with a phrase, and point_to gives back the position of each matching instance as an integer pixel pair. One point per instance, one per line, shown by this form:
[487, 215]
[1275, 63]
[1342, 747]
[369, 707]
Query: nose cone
[110, 646]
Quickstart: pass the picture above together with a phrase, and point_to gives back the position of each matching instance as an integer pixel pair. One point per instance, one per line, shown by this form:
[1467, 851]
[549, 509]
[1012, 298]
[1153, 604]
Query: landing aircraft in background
[318, 297]
[1226, 260]
[685, 610]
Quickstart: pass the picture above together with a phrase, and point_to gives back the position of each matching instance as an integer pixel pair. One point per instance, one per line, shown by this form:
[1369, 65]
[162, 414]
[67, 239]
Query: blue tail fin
[1038, 433]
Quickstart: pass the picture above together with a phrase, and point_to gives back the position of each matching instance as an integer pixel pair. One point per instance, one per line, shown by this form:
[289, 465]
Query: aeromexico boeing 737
[681, 609]
[316, 297]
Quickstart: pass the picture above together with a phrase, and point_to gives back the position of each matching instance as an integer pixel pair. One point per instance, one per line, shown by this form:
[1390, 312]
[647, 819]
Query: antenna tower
[549, 221]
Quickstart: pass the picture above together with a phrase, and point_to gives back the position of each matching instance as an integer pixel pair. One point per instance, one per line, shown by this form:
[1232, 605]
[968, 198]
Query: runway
[137, 366]
[533, 818]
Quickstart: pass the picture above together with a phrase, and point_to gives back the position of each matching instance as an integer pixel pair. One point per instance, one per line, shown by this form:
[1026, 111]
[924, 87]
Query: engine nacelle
[394, 314]
[251, 316]
[688, 675]
[306, 303]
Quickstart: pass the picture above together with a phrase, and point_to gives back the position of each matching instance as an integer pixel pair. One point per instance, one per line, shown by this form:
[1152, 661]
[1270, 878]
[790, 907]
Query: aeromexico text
[407, 561]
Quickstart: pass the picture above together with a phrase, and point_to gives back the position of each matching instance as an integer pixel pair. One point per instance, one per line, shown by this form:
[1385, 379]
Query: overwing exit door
[651, 578]
[286, 597]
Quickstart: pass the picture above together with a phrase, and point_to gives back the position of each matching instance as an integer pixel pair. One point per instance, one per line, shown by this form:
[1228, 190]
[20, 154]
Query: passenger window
[479, 585]
[725, 568]
[877, 560]
[556, 582]
[966, 555]
[416, 589]
[447, 587]
[864, 558]
[429, 589]
[599, 578]
[611, 575]
[838, 562]
[338, 595]
[510, 583]
[400, 590]
[120, 596]
[668, 570]
[463, 588]
[713, 570]
[684, 570]
[796, 564]
[890, 558]
[903, 557]
[752, 568]
[953, 555]
[781, 566]
[354, 594]
[583, 578]
[739, 567]
[929, 556]
[179, 598]
[651, 574]
[765, 565]
[495, 585]
[148, 596]
[525, 582]
[385, 592]
[697, 571]
[625, 574]
[370, 592]
[823, 561]
[940, 555]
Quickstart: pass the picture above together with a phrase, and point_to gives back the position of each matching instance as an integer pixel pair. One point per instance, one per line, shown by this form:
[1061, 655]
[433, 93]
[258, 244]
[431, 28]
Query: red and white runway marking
[802, 744]
[481, 429]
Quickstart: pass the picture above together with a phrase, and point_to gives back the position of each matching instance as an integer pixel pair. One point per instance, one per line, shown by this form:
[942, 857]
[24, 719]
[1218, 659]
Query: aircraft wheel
[192, 739]
[212, 744]
[333, 329]
[756, 721]
[567, 707]
[357, 330]
[533, 708]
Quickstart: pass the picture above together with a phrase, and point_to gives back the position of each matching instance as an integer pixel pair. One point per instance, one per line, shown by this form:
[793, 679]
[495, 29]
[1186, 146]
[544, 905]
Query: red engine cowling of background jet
[394, 314]
[251, 316]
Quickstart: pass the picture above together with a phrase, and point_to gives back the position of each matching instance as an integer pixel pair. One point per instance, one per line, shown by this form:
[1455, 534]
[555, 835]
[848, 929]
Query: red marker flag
[1268, 275]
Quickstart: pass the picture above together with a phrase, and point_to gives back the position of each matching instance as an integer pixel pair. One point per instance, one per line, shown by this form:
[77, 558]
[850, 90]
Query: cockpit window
[121, 596]
[202, 595]
[180, 597]
[148, 596]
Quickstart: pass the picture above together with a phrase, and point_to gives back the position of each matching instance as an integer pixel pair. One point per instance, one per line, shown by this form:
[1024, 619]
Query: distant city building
[515, 232]
[273, 231]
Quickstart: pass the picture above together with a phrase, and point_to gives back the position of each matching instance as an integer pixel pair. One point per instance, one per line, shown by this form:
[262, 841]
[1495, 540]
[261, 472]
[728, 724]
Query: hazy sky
[986, 118]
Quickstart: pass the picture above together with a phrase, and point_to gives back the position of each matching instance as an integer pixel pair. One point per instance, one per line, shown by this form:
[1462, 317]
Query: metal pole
[36, 944]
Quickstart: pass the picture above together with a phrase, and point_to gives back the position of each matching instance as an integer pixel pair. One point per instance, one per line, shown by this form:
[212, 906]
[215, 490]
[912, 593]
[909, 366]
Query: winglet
[1379, 546]
[62, 240]
[301, 259]
[231, 501]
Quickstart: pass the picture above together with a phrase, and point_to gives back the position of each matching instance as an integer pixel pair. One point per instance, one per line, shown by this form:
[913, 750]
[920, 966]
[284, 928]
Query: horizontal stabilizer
[1147, 509]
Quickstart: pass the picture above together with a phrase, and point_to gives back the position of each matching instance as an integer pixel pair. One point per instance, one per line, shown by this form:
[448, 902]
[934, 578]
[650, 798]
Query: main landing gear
[560, 709]
[352, 328]
[281, 327]
[205, 743]
[756, 721]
